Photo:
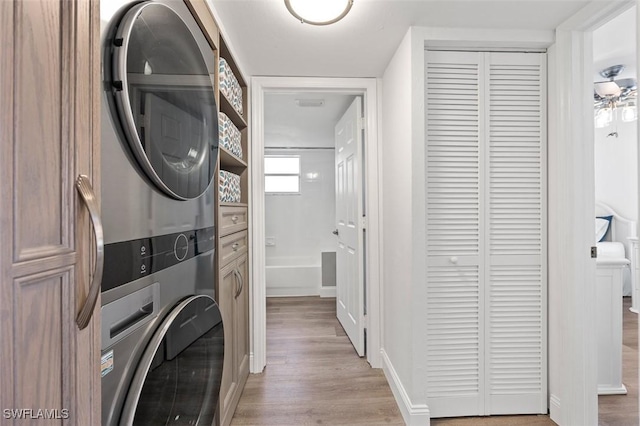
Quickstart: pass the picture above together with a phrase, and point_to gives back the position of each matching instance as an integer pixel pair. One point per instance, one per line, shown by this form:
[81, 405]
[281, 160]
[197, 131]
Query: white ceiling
[615, 44]
[268, 41]
[288, 125]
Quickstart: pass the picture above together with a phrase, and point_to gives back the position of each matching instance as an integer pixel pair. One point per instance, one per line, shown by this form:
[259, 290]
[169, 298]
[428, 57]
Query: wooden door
[49, 131]
[349, 253]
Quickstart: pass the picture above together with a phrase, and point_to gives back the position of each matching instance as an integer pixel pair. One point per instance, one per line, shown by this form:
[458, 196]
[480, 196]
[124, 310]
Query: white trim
[413, 414]
[572, 293]
[328, 292]
[358, 86]
[257, 296]
[554, 407]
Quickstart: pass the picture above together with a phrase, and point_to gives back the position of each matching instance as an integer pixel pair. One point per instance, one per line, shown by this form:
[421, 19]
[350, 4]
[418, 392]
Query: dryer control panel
[128, 261]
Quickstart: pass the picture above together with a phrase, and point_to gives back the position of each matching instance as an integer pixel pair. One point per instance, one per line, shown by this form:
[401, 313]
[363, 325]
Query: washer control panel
[128, 261]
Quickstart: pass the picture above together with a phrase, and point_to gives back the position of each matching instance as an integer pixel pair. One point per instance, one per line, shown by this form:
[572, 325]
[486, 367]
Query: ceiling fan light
[629, 113]
[603, 118]
[319, 12]
[608, 89]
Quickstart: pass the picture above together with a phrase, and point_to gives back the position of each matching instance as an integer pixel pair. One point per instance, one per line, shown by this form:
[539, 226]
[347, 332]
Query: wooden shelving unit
[232, 257]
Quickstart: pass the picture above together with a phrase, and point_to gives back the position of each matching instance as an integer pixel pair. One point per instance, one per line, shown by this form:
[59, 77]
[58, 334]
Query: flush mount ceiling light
[319, 12]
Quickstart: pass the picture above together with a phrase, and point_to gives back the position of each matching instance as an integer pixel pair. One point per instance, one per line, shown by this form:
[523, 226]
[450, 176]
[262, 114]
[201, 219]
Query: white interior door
[349, 253]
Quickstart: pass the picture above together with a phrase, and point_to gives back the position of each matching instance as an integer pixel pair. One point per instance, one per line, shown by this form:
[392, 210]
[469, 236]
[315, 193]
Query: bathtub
[299, 276]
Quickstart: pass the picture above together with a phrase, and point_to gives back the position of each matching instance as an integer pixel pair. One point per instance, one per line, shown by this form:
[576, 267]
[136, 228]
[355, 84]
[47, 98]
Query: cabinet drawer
[232, 219]
[232, 246]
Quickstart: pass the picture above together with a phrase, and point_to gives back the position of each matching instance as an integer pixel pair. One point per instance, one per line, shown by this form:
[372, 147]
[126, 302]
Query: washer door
[178, 378]
[163, 83]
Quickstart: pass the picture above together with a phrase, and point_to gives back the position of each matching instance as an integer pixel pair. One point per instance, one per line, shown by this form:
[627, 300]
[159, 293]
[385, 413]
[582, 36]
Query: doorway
[263, 88]
[300, 192]
[616, 194]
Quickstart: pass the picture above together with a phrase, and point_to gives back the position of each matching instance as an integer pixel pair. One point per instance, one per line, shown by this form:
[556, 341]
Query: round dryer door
[178, 378]
[163, 71]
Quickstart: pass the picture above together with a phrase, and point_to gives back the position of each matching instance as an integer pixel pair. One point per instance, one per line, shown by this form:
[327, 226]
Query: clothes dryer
[160, 321]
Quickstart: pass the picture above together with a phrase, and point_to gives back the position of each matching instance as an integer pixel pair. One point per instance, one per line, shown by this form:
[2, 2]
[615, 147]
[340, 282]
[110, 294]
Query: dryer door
[178, 378]
[163, 71]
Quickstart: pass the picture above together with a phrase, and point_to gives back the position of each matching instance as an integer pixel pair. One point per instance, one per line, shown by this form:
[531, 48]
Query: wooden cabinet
[234, 305]
[49, 131]
[233, 262]
[233, 291]
[232, 234]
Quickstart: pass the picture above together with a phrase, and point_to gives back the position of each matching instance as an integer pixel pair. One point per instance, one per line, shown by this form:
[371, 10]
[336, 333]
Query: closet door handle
[88, 196]
[234, 218]
[454, 260]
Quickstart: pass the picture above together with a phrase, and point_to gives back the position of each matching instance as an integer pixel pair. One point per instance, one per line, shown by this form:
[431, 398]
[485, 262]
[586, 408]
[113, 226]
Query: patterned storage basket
[229, 86]
[229, 187]
[230, 137]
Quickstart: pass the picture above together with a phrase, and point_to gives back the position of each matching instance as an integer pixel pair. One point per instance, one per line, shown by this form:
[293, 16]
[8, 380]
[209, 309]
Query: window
[282, 175]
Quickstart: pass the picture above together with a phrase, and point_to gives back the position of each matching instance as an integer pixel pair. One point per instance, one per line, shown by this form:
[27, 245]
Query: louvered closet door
[454, 234]
[516, 244]
[486, 276]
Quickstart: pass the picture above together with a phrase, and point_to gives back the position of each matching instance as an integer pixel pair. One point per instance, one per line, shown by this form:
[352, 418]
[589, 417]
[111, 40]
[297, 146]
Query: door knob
[454, 260]
[335, 232]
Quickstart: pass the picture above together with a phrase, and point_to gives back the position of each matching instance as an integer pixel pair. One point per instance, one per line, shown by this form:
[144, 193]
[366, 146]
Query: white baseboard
[554, 410]
[327, 291]
[413, 414]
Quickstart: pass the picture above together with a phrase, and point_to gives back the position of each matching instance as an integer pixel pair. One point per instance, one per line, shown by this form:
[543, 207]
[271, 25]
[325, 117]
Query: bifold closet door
[515, 208]
[455, 271]
[485, 226]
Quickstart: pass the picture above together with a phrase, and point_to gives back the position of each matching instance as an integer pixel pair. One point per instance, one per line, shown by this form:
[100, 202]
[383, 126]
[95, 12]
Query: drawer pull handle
[454, 260]
[234, 218]
[235, 246]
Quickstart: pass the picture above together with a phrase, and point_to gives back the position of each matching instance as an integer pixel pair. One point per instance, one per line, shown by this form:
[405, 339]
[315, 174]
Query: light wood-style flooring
[314, 376]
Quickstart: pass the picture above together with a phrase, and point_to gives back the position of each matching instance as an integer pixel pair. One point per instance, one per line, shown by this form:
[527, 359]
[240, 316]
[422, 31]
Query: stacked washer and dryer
[162, 333]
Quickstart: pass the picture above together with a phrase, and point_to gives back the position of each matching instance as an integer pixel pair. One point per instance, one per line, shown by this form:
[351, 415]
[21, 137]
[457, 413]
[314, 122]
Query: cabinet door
[227, 289]
[241, 320]
[49, 134]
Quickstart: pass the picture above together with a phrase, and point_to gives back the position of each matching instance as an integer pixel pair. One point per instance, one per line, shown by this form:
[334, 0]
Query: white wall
[616, 168]
[298, 228]
[397, 340]
[300, 225]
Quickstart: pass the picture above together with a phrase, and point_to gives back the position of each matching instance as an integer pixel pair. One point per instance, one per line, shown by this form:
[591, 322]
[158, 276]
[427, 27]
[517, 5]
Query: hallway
[313, 375]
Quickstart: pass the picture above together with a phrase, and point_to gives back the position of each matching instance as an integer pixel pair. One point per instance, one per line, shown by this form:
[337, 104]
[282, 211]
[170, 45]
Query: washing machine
[162, 334]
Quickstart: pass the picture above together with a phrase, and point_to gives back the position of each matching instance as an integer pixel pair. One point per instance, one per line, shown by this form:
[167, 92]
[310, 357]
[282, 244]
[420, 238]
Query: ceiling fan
[611, 94]
[612, 90]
